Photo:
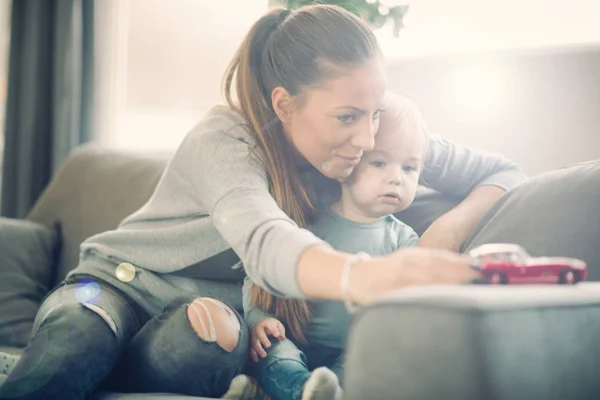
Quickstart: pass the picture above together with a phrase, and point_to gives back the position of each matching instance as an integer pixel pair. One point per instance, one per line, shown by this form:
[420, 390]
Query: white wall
[519, 77]
[540, 108]
[435, 27]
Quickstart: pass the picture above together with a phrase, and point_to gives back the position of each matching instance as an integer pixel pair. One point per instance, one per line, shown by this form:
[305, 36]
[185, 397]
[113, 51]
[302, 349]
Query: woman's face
[333, 124]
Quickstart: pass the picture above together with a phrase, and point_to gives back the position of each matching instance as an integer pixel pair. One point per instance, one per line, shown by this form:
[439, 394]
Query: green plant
[375, 12]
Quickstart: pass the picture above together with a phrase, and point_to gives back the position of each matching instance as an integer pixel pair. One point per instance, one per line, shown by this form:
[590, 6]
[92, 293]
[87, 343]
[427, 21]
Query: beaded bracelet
[345, 281]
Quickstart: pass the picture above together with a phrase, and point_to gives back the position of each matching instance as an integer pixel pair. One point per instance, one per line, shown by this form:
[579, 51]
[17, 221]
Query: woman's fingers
[433, 266]
[408, 267]
[458, 269]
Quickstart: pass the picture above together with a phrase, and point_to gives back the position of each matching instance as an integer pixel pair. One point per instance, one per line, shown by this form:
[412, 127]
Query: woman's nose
[364, 138]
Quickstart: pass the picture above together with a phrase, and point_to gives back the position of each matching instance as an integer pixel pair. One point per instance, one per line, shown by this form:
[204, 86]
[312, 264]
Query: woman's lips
[354, 160]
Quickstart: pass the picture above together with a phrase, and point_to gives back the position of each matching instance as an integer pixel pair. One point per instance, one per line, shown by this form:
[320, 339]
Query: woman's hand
[259, 337]
[407, 267]
[450, 231]
[445, 233]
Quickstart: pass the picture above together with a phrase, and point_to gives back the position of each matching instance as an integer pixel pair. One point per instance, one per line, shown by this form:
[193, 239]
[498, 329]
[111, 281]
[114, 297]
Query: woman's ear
[282, 102]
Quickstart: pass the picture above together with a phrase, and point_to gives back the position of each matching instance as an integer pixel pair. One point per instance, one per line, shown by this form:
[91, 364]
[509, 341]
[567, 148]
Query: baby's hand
[259, 337]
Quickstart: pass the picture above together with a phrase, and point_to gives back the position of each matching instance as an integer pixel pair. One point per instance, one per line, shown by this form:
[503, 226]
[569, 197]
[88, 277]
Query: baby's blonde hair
[401, 113]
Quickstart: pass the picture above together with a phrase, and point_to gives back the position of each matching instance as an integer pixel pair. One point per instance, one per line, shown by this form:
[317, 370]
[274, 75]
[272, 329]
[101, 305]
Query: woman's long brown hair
[295, 50]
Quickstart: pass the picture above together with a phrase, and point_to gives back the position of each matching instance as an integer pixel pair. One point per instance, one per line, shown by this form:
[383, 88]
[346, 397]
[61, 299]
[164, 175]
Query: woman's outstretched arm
[230, 182]
[452, 229]
[478, 176]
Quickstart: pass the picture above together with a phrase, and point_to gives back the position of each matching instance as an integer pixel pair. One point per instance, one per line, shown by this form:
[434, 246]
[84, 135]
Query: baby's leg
[283, 373]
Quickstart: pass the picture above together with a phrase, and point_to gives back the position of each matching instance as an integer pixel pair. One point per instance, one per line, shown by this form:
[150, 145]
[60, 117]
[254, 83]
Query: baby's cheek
[411, 193]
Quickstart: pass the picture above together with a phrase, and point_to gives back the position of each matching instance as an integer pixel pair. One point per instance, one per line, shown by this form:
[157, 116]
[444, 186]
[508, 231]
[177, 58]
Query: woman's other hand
[445, 234]
[452, 229]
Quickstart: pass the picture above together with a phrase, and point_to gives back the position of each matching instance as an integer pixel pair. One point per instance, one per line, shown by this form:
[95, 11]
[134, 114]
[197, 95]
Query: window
[170, 57]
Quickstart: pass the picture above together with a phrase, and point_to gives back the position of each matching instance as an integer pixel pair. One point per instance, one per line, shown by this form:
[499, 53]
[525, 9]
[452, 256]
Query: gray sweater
[330, 321]
[212, 208]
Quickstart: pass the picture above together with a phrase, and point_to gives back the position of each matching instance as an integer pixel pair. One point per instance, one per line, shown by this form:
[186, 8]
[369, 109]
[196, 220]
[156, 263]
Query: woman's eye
[347, 118]
[378, 164]
[377, 114]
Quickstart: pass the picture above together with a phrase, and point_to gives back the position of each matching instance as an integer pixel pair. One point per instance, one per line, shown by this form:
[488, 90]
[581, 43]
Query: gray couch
[96, 188]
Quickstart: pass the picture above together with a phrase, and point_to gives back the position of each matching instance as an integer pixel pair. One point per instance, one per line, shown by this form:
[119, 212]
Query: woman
[310, 86]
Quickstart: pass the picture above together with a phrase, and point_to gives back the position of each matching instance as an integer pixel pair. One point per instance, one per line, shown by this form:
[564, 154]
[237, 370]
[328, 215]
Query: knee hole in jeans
[213, 321]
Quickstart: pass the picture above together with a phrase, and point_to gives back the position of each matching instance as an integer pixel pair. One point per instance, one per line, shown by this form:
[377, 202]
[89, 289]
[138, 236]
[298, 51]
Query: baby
[362, 220]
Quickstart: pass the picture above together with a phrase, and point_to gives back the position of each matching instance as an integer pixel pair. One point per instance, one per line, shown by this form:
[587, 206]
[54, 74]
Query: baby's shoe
[242, 387]
[323, 384]
[7, 362]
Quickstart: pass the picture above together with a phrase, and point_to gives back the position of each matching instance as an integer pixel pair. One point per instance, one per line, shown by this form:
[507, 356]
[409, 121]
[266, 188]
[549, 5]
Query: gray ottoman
[477, 342]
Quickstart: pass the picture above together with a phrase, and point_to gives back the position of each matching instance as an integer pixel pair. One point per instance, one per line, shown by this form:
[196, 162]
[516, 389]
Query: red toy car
[510, 264]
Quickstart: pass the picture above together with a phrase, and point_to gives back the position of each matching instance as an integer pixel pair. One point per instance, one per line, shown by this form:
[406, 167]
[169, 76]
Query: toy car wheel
[567, 277]
[497, 278]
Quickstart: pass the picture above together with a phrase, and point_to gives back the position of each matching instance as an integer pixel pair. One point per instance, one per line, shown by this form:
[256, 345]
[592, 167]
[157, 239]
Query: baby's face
[385, 180]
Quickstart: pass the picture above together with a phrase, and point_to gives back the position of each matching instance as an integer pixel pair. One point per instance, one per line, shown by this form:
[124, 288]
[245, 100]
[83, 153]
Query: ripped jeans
[89, 337]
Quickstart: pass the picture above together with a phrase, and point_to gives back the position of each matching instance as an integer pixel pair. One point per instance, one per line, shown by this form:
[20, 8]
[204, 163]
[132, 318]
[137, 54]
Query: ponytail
[285, 184]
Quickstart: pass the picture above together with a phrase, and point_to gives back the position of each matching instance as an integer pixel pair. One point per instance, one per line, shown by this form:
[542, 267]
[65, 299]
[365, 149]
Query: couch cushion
[26, 258]
[477, 342]
[92, 192]
[554, 214]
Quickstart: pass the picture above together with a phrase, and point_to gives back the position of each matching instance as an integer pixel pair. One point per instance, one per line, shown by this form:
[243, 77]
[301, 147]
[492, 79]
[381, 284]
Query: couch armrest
[477, 342]
[554, 214]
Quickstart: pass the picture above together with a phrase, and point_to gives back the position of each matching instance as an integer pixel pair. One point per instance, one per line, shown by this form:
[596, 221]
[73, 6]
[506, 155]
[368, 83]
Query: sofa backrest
[92, 192]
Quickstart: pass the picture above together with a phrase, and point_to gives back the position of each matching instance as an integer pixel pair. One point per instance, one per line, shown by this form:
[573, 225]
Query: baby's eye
[347, 118]
[378, 164]
[409, 168]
